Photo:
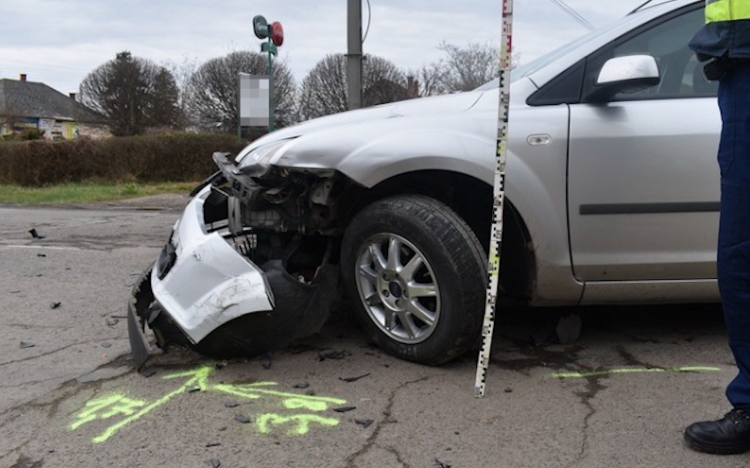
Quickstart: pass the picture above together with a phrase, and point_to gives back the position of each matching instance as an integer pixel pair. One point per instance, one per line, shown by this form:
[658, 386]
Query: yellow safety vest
[727, 10]
[726, 32]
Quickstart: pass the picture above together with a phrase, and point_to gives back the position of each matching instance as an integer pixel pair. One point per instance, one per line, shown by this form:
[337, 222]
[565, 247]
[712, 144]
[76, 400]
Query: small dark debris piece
[213, 444]
[112, 322]
[55, 305]
[119, 317]
[301, 385]
[35, 234]
[222, 428]
[148, 373]
[220, 364]
[39, 275]
[266, 362]
[353, 379]
[231, 404]
[364, 422]
[241, 418]
[215, 463]
[440, 464]
[344, 409]
[106, 344]
[41, 255]
[508, 390]
[16, 291]
[194, 389]
[27, 344]
[333, 355]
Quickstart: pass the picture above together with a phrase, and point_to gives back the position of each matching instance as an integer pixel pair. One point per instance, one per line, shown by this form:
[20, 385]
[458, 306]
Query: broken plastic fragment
[27, 344]
[344, 409]
[353, 379]
[35, 234]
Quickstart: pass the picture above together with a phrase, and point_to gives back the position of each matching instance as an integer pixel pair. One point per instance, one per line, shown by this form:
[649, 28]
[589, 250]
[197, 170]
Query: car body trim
[648, 208]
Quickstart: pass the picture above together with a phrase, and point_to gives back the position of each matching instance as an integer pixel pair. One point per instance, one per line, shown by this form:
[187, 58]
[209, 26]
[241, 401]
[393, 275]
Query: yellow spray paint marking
[107, 407]
[120, 405]
[302, 422]
[569, 375]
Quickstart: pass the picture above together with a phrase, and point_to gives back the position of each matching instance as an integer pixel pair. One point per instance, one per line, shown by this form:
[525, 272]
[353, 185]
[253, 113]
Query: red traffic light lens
[277, 33]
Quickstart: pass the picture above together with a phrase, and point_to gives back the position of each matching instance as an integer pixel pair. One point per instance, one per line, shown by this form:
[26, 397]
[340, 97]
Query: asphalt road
[618, 396]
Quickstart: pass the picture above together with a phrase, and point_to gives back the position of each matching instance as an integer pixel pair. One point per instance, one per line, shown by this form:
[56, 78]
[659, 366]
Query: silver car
[612, 191]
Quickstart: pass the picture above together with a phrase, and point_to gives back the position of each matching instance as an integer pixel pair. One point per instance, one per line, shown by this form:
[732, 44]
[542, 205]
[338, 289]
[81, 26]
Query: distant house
[29, 105]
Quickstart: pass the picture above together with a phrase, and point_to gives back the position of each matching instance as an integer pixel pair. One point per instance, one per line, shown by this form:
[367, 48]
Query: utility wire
[369, 18]
[580, 19]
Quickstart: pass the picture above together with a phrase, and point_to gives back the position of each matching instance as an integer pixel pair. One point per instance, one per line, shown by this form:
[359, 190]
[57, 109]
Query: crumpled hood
[445, 104]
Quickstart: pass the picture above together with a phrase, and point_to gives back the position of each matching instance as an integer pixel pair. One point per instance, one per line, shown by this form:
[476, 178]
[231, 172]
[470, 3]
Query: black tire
[451, 264]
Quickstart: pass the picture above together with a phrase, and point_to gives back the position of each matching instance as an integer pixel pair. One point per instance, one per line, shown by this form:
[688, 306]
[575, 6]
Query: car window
[681, 73]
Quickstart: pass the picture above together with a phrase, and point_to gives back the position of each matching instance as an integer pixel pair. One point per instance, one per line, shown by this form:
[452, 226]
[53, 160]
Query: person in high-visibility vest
[724, 42]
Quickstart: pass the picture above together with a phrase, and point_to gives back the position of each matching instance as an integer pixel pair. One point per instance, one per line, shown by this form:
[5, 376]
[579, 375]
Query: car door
[643, 184]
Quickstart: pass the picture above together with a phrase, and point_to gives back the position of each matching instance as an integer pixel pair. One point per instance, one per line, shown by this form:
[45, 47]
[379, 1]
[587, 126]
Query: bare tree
[183, 72]
[213, 89]
[134, 93]
[324, 90]
[469, 67]
[430, 79]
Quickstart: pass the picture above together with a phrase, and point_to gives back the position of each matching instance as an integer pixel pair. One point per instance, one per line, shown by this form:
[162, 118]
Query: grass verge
[87, 192]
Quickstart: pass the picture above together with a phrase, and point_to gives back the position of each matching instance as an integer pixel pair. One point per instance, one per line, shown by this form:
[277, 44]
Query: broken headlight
[260, 156]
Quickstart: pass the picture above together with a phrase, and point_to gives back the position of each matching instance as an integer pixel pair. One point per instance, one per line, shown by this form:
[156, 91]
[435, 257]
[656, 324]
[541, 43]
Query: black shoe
[727, 436]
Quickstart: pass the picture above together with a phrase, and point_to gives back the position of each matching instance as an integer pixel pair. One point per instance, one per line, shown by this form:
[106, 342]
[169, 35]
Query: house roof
[37, 100]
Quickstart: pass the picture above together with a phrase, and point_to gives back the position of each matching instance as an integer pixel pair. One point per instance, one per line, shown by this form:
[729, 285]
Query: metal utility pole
[354, 55]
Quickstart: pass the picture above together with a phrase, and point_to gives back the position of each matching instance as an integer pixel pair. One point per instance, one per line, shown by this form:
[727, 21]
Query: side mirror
[624, 75]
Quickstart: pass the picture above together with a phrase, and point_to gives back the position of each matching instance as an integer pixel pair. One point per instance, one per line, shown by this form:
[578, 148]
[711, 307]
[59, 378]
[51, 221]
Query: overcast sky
[58, 42]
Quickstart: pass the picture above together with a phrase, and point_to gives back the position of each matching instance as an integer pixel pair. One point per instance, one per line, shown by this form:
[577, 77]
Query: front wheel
[416, 274]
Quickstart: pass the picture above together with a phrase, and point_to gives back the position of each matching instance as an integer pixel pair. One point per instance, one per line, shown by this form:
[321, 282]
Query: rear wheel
[416, 274]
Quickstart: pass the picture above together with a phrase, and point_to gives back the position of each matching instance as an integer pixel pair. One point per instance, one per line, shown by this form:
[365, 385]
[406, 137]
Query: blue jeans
[733, 259]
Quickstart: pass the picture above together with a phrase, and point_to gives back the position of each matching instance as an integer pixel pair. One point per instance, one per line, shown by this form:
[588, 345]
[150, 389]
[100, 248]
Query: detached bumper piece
[204, 293]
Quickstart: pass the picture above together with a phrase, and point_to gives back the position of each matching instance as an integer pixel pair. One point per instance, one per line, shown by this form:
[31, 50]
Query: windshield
[525, 70]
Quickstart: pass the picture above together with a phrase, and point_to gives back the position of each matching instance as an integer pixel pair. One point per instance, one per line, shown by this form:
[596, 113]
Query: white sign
[255, 95]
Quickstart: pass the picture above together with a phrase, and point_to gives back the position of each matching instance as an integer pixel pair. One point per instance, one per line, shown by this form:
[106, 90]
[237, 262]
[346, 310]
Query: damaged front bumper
[206, 292]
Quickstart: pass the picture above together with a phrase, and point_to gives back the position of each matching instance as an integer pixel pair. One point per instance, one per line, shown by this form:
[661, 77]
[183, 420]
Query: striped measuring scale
[493, 266]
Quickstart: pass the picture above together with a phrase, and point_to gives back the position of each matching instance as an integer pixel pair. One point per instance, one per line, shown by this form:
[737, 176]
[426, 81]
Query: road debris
[55, 305]
[112, 322]
[353, 379]
[36, 234]
[364, 422]
[440, 464]
[41, 255]
[231, 404]
[344, 409]
[301, 385]
[213, 444]
[106, 344]
[266, 362]
[215, 463]
[27, 344]
[333, 355]
[241, 418]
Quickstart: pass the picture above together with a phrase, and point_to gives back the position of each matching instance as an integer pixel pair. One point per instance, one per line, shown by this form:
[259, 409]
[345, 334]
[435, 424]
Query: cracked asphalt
[618, 396]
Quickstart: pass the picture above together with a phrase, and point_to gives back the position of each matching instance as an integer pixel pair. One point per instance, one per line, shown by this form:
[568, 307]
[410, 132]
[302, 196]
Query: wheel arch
[471, 199]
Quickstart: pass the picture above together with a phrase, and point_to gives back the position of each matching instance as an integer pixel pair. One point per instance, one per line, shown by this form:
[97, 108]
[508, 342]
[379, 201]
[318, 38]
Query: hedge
[175, 157]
